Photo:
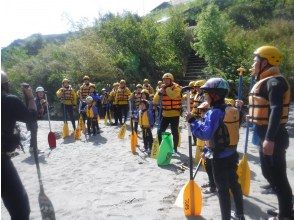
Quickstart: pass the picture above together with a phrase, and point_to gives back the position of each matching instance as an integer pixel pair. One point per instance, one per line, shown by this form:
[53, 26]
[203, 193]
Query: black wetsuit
[274, 167]
[13, 193]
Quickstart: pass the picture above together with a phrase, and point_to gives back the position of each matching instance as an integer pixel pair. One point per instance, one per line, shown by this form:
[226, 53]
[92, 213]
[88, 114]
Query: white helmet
[89, 99]
[40, 89]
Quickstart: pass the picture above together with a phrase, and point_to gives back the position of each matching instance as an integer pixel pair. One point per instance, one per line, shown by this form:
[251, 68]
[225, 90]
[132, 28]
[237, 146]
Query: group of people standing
[214, 120]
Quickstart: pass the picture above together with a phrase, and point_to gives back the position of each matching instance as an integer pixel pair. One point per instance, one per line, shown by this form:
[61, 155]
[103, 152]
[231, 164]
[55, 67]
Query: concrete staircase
[194, 68]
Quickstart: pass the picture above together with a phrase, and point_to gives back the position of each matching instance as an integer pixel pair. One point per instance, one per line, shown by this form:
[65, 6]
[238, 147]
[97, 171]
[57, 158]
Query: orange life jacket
[171, 104]
[122, 95]
[85, 90]
[259, 107]
[67, 94]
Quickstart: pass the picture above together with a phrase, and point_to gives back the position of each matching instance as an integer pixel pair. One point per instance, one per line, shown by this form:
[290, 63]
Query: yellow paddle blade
[77, 133]
[122, 132]
[192, 200]
[133, 142]
[155, 148]
[65, 131]
[81, 123]
[243, 172]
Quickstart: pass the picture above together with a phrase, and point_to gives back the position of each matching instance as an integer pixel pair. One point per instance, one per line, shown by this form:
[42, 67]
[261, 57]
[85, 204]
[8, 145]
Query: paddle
[155, 144]
[65, 131]
[122, 131]
[243, 170]
[46, 207]
[51, 135]
[192, 193]
[134, 139]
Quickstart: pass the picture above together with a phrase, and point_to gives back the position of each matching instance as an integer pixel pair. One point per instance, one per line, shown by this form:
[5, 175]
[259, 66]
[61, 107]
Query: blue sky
[21, 18]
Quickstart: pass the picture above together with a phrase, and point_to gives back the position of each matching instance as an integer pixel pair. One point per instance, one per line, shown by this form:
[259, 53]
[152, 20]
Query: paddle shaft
[190, 139]
[48, 113]
[247, 122]
[197, 168]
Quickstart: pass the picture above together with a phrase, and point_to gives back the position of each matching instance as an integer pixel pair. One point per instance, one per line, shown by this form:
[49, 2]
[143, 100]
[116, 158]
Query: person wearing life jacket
[193, 92]
[106, 105]
[146, 121]
[41, 102]
[84, 91]
[13, 193]
[269, 101]
[159, 83]
[146, 85]
[91, 112]
[198, 98]
[220, 130]
[122, 98]
[68, 99]
[207, 156]
[171, 104]
[135, 99]
[113, 102]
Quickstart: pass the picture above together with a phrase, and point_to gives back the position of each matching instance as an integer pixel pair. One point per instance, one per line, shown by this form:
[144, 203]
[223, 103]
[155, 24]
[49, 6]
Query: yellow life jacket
[68, 94]
[143, 119]
[259, 107]
[85, 90]
[89, 111]
[171, 104]
[122, 94]
[232, 122]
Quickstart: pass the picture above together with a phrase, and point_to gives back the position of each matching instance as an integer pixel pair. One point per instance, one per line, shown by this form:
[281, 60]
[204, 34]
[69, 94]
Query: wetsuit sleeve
[21, 112]
[205, 130]
[276, 90]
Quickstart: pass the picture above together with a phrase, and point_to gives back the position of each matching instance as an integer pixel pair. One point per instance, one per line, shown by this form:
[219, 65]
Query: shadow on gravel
[253, 210]
[31, 160]
[97, 139]
[195, 218]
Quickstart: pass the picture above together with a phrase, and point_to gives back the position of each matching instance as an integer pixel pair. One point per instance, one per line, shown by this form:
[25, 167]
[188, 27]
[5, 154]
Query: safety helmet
[40, 89]
[103, 90]
[191, 84]
[86, 78]
[218, 85]
[204, 105]
[92, 86]
[115, 84]
[65, 80]
[271, 53]
[230, 101]
[146, 81]
[89, 99]
[159, 82]
[139, 86]
[122, 81]
[199, 83]
[4, 77]
[168, 76]
[145, 91]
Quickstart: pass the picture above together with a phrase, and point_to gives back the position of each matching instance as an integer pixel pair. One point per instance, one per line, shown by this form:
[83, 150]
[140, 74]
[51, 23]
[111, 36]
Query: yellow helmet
[168, 76]
[271, 53]
[65, 80]
[115, 84]
[199, 83]
[145, 91]
[191, 84]
[92, 85]
[146, 81]
[230, 101]
[86, 78]
[139, 86]
[159, 82]
[122, 81]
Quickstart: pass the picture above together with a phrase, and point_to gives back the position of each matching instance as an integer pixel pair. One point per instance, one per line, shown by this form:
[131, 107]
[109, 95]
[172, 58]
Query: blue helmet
[218, 85]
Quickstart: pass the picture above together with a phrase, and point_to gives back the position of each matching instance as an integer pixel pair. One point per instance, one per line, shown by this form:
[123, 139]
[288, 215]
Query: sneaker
[268, 191]
[205, 185]
[267, 186]
[209, 190]
[272, 212]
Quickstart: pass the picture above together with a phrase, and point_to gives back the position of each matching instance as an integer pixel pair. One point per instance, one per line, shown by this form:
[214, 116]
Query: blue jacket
[206, 130]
